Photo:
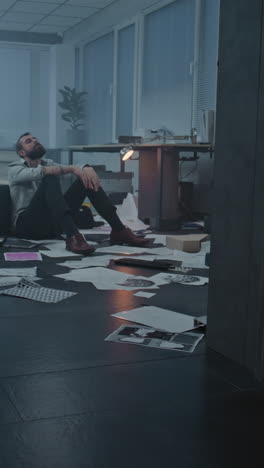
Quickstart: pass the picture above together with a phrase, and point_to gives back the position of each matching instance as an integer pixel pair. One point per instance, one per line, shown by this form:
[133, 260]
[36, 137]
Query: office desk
[158, 200]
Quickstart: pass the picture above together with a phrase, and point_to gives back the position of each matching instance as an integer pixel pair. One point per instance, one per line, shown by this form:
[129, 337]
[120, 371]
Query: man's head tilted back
[29, 147]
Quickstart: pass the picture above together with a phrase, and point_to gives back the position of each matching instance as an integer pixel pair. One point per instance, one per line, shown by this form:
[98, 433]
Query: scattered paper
[6, 280]
[105, 229]
[58, 250]
[158, 238]
[144, 294]
[139, 282]
[191, 260]
[14, 242]
[86, 262]
[128, 213]
[45, 241]
[169, 278]
[105, 279]
[9, 280]
[18, 271]
[202, 319]
[102, 278]
[22, 256]
[153, 338]
[159, 318]
[122, 249]
[29, 290]
[169, 253]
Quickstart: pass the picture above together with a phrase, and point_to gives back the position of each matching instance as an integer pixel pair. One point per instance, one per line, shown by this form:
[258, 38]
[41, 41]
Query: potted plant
[73, 103]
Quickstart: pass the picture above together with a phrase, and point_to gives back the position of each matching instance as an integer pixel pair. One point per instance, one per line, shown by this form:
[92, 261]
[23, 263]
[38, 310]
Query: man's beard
[37, 152]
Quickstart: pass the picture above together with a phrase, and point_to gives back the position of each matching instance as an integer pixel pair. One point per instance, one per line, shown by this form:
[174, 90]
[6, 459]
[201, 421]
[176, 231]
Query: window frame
[138, 21]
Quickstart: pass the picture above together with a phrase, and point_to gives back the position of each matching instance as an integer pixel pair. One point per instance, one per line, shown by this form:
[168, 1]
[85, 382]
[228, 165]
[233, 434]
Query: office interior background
[149, 65]
[145, 66]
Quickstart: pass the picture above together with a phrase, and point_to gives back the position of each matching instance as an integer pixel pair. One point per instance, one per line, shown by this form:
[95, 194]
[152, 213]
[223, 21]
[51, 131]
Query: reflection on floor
[68, 399]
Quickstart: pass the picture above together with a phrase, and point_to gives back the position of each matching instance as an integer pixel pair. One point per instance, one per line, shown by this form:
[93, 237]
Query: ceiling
[46, 16]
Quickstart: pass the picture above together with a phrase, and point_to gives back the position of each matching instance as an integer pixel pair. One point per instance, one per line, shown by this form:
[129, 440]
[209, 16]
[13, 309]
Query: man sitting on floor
[41, 211]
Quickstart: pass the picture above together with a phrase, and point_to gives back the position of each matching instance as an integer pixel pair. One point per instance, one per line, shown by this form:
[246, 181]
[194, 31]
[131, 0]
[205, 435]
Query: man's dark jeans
[44, 216]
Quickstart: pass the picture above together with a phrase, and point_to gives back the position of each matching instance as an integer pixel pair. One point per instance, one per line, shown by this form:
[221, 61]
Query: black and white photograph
[146, 336]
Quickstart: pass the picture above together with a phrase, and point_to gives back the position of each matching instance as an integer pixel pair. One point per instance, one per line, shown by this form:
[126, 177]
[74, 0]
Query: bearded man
[41, 210]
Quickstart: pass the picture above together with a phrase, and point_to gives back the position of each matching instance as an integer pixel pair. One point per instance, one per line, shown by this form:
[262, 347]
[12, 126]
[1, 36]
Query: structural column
[236, 306]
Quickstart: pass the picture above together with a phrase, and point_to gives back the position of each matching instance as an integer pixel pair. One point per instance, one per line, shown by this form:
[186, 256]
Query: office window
[15, 93]
[125, 81]
[98, 82]
[166, 96]
[40, 91]
[24, 92]
[77, 80]
[207, 58]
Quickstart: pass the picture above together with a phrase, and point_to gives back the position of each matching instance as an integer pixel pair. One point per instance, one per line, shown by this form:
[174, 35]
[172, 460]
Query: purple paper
[16, 256]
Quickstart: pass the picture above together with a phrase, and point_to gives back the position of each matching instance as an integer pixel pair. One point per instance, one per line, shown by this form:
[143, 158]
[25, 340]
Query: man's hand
[88, 177]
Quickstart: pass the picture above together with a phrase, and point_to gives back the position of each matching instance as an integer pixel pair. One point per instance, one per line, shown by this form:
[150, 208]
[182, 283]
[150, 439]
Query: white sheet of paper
[58, 251]
[202, 319]
[6, 280]
[138, 282]
[190, 260]
[86, 262]
[159, 318]
[169, 253]
[104, 278]
[198, 262]
[128, 213]
[121, 249]
[168, 278]
[158, 238]
[28, 272]
[135, 224]
[128, 208]
[104, 229]
[45, 241]
[144, 294]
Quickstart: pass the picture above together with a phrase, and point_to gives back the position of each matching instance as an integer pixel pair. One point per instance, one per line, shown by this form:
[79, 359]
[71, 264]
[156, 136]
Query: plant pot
[75, 137]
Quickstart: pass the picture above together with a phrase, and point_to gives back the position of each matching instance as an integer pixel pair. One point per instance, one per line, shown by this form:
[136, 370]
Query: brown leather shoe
[77, 244]
[126, 236]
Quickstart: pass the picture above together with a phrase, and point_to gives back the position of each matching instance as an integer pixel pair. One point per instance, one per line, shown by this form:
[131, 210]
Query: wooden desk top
[116, 147]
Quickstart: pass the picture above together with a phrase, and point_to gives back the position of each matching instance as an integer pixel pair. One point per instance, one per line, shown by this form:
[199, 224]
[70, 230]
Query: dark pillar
[236, 291]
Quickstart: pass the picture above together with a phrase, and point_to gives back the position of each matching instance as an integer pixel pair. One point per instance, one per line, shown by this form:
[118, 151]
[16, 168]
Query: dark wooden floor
[68, 399]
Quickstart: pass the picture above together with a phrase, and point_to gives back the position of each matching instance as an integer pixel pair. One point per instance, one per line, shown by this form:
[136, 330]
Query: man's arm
[86, 174]
[22, 174]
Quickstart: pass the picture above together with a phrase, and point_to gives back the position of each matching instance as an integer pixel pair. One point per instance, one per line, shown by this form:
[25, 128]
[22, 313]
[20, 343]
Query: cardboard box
[188, 243]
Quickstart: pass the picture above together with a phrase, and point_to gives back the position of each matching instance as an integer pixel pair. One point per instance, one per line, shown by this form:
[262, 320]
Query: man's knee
[50, 180]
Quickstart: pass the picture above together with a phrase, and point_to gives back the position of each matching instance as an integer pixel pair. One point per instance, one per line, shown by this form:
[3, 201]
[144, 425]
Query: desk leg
[158, 201]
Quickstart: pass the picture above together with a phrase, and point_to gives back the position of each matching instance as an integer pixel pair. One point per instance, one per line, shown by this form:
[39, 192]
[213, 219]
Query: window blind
[24, 93]
[207, 58]
[125, 81]
[166, 97]
[98, 82]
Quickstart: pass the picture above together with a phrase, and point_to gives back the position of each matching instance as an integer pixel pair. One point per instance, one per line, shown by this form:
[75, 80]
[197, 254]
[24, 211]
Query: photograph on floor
[153, 338]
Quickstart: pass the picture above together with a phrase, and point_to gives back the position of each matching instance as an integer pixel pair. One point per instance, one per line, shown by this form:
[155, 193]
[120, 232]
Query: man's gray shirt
[24, 182]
